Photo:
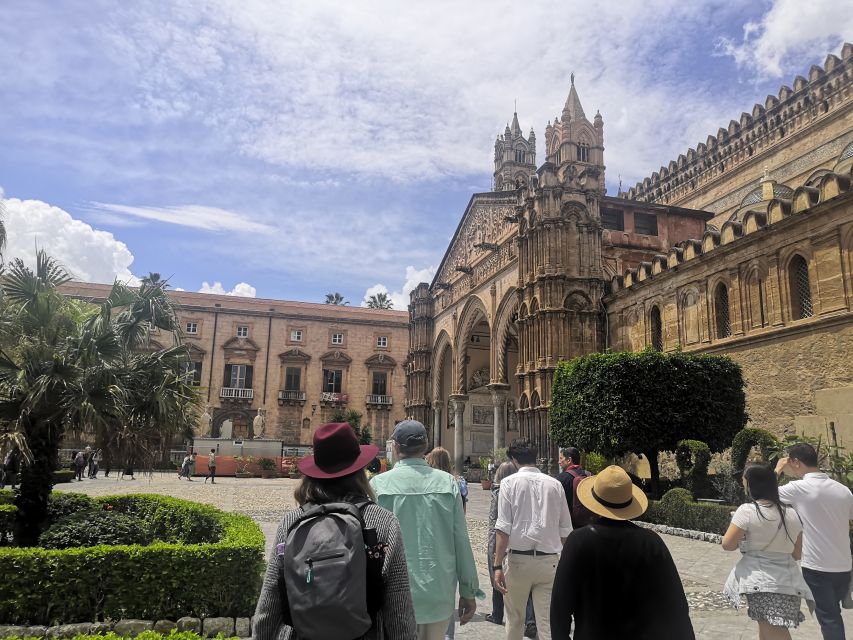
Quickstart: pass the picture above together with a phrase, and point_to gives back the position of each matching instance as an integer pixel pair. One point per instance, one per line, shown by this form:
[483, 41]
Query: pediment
[294, 355]
[243, 344]
[380, 361]
[335, 357]
[195, 350]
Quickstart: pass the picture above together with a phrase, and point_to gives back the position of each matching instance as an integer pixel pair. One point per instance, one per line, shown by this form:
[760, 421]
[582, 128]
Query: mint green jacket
[428, 505]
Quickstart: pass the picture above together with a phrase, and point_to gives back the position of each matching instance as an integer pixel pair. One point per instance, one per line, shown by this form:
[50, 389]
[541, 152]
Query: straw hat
[612, 494]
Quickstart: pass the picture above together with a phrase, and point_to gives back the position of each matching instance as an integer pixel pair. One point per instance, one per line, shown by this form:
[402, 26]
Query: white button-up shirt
[826, 509]
[533, 512]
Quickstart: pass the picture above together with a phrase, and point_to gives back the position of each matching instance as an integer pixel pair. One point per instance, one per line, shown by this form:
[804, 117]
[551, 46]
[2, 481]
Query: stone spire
[515, 157]
[573, 109]
[515, 129]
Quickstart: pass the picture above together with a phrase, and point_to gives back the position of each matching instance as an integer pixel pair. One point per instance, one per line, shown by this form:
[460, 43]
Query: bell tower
[515, 157]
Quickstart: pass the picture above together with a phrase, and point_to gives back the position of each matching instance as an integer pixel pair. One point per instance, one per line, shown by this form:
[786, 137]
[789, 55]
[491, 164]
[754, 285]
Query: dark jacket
[617, 580]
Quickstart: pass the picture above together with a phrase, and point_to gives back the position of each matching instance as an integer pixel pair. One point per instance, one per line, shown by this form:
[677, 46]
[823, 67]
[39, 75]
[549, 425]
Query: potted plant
[486, 479]
[243, 463]
[267, 467]
[294, 472]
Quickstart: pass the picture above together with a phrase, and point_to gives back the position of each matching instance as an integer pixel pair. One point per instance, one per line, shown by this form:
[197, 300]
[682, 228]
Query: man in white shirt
[533, 523]
[826, 509]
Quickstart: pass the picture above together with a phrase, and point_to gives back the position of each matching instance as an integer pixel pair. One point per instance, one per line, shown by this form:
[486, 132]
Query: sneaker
[530, 630]
[491, 618]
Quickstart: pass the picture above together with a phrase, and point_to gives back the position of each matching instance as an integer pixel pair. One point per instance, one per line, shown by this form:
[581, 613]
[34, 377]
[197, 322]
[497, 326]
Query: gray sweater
[395, 621]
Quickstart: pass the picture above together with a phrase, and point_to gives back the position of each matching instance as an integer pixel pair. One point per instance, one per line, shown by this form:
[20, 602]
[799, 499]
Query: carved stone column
[499, 395]
[457, 402]
[436, 425]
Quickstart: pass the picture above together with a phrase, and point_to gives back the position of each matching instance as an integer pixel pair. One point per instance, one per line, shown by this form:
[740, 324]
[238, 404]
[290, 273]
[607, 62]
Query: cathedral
[741, 246]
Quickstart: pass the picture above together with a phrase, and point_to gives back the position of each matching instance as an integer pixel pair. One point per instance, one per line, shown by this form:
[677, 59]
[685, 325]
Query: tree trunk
[36, 482]
[652, 457]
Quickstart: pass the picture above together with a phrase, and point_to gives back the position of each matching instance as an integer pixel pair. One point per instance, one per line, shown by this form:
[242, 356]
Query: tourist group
[385, 557]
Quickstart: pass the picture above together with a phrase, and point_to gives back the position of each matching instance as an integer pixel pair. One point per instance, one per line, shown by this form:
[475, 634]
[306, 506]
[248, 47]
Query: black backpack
[330, 573]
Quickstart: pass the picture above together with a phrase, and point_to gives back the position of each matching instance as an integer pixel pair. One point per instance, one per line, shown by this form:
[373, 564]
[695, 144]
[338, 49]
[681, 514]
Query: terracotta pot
[487, 484]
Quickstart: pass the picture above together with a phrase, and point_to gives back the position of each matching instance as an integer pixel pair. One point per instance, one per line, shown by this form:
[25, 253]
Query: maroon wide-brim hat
[336, 452]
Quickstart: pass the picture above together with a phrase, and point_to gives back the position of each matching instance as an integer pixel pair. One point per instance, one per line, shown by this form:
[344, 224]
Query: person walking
[615, 579]
[533, 523]
[826, 509]
[79, 465]
[185, 468]
[497, 614]
[571, 473]
[334, 475]
[211, 467]
[428, 505]
[93, 464]
[770, 538]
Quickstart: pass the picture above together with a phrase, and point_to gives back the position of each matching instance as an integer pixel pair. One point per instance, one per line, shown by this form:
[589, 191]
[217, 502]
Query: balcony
[235, 394]
[291, 397]
[379, 401]
[327, 397]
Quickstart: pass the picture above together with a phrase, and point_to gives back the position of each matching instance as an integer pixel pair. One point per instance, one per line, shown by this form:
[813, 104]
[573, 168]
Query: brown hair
[506, 469]
[321, 491]
[439, 458]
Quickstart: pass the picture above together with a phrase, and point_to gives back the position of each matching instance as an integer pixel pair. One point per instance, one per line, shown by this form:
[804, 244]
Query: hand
[500, 581]
[467, 607]
[780, 466]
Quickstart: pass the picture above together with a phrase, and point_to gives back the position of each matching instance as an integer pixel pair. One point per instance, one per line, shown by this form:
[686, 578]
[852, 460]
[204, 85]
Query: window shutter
[226, 382]
[249, 377]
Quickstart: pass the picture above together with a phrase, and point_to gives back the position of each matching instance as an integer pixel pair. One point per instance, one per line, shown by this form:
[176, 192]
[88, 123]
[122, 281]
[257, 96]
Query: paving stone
[132, 627]
[212, 626]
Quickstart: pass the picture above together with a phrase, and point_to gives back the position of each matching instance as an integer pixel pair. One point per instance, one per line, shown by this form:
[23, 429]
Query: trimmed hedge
[61, 476]
[61, 505]
[160, 581]
[93, 528]
[745, 440]
[171, 519]
[7, 496]
[693, 458]
[677, 509]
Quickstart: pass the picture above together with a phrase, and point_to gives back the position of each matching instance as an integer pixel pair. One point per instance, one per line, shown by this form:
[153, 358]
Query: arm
[565, 521]
[734, 534]
[267, 622]
[466, 568]
[503, 525]
[797, 553]
[563, 593]
[398, 612]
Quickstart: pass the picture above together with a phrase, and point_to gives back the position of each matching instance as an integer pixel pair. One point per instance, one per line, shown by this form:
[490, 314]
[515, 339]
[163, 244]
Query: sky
[290, 149]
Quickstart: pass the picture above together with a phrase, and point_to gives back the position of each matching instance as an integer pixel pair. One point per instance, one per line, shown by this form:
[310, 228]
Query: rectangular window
[242, 331]
[646, 224]
[296, 335]
[238, 376]
[614, 220]
[337, 338]
[292, 379]
[194, 370]
[332, 379]
[382, 341]
[380, 383]
[192, 327]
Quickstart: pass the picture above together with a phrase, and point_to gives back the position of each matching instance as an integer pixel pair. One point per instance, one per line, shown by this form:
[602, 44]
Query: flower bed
[203, 562]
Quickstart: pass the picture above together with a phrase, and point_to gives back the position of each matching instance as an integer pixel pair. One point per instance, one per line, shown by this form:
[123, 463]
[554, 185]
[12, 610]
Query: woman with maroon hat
[335, 474]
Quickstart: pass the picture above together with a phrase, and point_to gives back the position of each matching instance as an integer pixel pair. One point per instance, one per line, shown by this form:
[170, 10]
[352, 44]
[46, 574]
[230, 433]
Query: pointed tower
[515, 157]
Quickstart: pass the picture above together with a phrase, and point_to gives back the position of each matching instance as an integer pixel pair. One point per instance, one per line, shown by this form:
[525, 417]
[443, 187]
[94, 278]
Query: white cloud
[400, 299]
[241, 289]
[193, 215]
[86, 253]
[791, 31]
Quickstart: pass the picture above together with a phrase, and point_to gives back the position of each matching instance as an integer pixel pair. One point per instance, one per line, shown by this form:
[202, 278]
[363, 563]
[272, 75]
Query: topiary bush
[745, 440]
[693, 458]
[171, 519]
[61, 504]
[92, 528]
[678, 509]
[61, 476]
[159, 581]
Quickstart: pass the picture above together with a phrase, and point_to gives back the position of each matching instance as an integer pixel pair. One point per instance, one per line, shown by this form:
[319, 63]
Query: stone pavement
[703, 566]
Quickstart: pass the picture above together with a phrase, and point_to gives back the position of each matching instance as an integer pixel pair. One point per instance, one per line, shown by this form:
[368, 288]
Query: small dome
[755, 196]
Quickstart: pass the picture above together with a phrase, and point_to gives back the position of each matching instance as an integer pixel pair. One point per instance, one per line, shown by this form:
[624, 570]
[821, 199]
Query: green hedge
[62, 475]
[171, 519]
[163, 580]
[745, 440]
[677, 509]
[7, 496]
[7, 521]
[693, 458]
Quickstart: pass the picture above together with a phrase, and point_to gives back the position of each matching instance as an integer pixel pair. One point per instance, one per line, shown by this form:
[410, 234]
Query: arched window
[656, 329]
[721, 311]
[583, 152]
[801, 293]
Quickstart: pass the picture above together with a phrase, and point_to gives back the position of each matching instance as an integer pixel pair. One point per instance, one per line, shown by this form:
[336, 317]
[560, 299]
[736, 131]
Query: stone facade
[294, 362]
[742, 246]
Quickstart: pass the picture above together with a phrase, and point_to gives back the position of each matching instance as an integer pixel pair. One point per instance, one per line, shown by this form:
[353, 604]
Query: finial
[573, 78]
[515, 106]
[766, 175]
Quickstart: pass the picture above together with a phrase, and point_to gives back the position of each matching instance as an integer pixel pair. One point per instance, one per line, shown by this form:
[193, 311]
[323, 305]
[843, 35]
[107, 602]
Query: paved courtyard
[703, 566]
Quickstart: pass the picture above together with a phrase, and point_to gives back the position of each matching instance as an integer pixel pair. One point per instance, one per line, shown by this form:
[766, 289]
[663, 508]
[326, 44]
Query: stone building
[742, 246]
[296, 362]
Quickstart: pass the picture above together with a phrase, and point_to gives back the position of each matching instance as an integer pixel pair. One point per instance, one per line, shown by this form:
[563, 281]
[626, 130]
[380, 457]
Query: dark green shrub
[171, 519]
[7, 496]
[678, 509]
[8, 512]
[162, 580]
[91, 528]
[61, 476]
[61, 504]
[693, 458]
[742, 444]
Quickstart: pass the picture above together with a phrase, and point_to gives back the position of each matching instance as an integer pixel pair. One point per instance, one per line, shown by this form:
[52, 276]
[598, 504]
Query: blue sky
[289, 149]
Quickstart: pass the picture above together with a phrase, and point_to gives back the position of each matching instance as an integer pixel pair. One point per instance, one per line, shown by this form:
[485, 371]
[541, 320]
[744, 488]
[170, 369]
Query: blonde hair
[506, 469]
[439, 458]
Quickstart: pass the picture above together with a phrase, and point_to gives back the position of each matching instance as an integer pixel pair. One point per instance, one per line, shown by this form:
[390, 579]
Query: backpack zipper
[310, 562]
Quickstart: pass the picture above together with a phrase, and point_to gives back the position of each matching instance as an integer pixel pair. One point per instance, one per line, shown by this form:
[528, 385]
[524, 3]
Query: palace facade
[742, 246]
[295, 362]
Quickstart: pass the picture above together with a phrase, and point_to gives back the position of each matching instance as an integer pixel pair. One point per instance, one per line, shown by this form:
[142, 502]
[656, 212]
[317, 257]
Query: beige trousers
[529, 575]
[433, 630]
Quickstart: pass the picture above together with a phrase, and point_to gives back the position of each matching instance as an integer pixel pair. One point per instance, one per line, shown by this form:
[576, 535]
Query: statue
[479, 378]
[259, 425]
[512, 417]
[203, 426]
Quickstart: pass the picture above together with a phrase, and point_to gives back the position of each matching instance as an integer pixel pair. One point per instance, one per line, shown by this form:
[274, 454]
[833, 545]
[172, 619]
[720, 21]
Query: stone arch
[755, 279]
[800, 287]
[241, 419]
[655, 323]
[440, 347]
[690, 315]
[506, 316]
[577, 301]
[473, 311]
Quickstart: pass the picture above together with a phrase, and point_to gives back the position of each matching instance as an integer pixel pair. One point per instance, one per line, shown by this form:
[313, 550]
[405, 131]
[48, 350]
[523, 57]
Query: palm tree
[380, 301]
[335, 298]
[66, 366]
[2, 227]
